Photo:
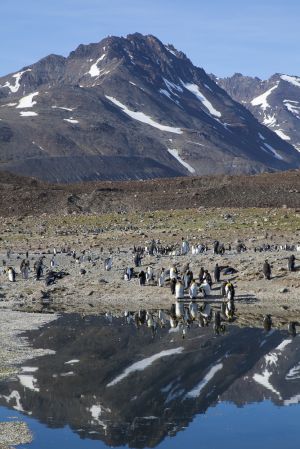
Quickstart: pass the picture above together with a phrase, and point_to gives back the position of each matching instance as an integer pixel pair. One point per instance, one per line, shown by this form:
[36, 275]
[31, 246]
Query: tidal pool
[110, 383]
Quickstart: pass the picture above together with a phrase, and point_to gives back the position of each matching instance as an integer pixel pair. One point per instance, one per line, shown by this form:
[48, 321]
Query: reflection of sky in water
[259, 426]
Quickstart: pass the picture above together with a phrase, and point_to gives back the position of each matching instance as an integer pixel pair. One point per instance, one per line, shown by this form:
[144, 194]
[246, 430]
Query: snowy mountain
[128, 108]
[274, 102]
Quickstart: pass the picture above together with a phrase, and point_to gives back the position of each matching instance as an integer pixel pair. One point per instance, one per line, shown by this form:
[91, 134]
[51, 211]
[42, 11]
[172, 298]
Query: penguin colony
[195, 298]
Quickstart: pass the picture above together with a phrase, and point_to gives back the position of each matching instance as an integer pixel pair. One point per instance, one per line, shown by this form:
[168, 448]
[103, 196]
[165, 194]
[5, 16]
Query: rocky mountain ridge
[275, 102]
[128, 108]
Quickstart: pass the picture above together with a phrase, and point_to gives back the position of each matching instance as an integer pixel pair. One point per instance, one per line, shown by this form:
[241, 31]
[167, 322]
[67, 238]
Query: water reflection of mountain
[118, 384]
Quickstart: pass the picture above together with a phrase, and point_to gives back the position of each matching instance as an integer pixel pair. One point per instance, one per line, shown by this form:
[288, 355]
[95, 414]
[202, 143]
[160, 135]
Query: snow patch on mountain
[16, 396]
[207, 87]
[261, 100]
[172, 87]
[27, 102]
[293, 400]
[28, 114]
[263, 379]
[28, 382]
[194, 89]
[170, 50]
[175, 154]
[94, 70]
[71, 362]
[295, 110]
[15, 87]
[207, 378]
[10, 105]
[272, 150]
[63, 108]
[168, 95]
[144, 363]
[70, 120]
[269, 120]
[141, 117]
[271, 358]
[294, 373]
[29, 369]
[283, 344]
[295, 80]
[281, 134]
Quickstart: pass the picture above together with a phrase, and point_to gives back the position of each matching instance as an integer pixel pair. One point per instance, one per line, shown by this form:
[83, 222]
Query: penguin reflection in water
[140, 318]
[151, 323]
[292, 328]
[218, 326]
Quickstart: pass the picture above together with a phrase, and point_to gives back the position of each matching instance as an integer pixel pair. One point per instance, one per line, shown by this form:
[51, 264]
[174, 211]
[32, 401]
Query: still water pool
[113, 384]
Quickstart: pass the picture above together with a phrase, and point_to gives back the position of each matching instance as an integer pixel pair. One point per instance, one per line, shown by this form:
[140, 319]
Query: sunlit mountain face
[125, 109]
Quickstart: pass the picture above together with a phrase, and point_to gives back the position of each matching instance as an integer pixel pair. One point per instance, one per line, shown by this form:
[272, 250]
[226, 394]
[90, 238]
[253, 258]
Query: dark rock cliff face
[275, 102]
[128, 108]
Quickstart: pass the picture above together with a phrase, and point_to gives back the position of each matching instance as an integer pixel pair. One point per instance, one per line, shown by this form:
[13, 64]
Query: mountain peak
[126, 108]
[275, 102]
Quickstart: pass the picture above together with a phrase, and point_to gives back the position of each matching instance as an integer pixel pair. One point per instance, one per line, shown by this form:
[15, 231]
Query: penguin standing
[267, 270]
[291, 263]
[11, 274]
[173, 272]
[108, 264]
[267, 322]
[217, 272]
[149, 274]
[193, 291]
[26, 272]
[179, 290]
[184, 247]
[161, 279]
[205, 288]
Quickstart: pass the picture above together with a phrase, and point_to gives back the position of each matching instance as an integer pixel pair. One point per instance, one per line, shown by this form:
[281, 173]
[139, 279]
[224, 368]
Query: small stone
[102, 281]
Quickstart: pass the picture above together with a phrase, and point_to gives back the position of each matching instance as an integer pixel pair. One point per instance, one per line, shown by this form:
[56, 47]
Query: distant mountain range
[132, 108]
[274, 102]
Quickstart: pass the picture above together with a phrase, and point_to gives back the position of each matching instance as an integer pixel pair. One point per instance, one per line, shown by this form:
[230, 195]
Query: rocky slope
[128, 108]
[21, 196]
[275, 102]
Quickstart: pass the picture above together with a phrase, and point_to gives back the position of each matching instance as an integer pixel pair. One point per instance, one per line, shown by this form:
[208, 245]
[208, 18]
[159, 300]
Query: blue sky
[254, 37]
